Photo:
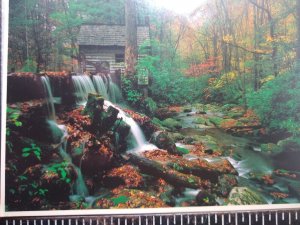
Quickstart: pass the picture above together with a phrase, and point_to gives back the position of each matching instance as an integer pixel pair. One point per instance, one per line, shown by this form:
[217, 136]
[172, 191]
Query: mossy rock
[210, 142]
[171, 124]
[217, 121]
[245, 196]
[291, 143]
[176, 136]
[270, 148]
[201, 120]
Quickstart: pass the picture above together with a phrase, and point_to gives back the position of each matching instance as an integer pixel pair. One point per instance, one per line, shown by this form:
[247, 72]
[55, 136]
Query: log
[172, 177]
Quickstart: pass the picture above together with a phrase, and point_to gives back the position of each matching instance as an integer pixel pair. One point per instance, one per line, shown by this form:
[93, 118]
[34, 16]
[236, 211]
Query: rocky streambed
[85, 159]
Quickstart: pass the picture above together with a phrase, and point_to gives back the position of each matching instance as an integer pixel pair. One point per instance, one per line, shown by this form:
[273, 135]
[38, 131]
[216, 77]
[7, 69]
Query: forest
[203, 111]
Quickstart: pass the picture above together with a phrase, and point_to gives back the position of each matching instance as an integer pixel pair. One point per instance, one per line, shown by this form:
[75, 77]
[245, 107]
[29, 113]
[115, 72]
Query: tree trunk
[131, 53]
[298, 36]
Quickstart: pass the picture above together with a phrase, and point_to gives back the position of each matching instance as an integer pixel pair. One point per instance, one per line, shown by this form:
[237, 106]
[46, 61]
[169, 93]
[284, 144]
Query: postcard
[138, 106]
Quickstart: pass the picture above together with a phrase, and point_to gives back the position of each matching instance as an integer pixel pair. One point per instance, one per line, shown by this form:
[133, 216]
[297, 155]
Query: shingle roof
[108, 35]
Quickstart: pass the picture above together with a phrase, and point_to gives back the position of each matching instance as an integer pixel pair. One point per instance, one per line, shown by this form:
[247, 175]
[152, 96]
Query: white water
[50, 100]
[137, 133]
[100, 86]
[114, 92]
[83, 86]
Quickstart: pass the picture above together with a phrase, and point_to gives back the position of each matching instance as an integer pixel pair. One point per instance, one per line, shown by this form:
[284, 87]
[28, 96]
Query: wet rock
[245, 196]
[121, 131]
[102, 120]
[225, 184]
[204, 198]
[163, 141]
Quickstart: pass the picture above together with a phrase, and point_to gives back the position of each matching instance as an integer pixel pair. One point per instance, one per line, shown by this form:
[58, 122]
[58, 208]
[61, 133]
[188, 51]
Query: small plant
[177, 167]
[33, 150]
[191, 180]
[120, 199]
[60, 168]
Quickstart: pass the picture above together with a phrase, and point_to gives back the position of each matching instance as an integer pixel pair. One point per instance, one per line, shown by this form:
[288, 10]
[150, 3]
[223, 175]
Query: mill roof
[109, 35]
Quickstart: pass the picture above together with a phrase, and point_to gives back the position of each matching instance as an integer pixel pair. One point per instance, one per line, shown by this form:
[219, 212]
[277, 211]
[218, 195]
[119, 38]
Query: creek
[245, 155]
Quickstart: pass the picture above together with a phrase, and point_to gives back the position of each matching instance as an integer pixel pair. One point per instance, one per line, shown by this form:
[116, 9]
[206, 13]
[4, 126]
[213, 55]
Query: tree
[131, 53]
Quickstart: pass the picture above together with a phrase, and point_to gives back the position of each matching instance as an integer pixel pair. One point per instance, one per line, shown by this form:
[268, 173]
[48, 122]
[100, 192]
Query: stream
[246, 157]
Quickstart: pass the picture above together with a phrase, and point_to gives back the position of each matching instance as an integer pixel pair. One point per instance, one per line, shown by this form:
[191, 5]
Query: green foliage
[277, 103]
[177, 167]
[32, 150]
[168, 83]
[149, 106]
[33, 189]
[119, 200]
[183, 150]
[29, 66]
[12, 122]
[61, 169]
[13, 117]
[131, 94]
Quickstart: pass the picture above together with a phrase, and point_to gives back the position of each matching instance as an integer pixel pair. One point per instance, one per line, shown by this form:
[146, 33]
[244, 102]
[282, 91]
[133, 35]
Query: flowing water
[246, 157]
[83, 86]
[101, 86]
[50, 100]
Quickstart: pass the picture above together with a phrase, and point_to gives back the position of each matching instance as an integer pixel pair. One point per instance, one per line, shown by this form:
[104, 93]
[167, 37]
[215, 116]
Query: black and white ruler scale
[266, 217]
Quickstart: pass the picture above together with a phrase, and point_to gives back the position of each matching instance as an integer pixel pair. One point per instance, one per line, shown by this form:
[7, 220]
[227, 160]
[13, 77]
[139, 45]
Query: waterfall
[79, 187]
[50, 100]
[100, 86]
[83, 86]
[135, 130]
[114, 92]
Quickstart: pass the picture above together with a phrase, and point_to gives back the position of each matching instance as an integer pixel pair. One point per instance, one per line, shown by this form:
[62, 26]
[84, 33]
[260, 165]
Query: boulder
[97, 158]
[101, 120]
[163, 141]
[245, 196]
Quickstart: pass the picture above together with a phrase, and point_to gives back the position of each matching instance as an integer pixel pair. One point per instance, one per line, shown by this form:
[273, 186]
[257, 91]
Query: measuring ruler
[291, 217]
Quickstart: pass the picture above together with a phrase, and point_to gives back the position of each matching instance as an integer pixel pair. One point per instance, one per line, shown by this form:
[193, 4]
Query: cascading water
[50, 100]
[114, 92]
[100, 86]
[137, 133]
[79, 187]
[83, 86]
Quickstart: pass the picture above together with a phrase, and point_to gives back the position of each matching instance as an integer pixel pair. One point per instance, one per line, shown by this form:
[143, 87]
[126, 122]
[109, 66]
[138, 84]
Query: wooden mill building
[102, 47]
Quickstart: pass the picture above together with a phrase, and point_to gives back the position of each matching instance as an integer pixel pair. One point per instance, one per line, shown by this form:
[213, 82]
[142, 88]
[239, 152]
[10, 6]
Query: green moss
[120, 199]
[183, 150]
[216, 121]
[172, 124]
[201, 120]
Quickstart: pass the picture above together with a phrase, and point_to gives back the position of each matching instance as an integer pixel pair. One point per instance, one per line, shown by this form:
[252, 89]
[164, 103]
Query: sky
[179, 6]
